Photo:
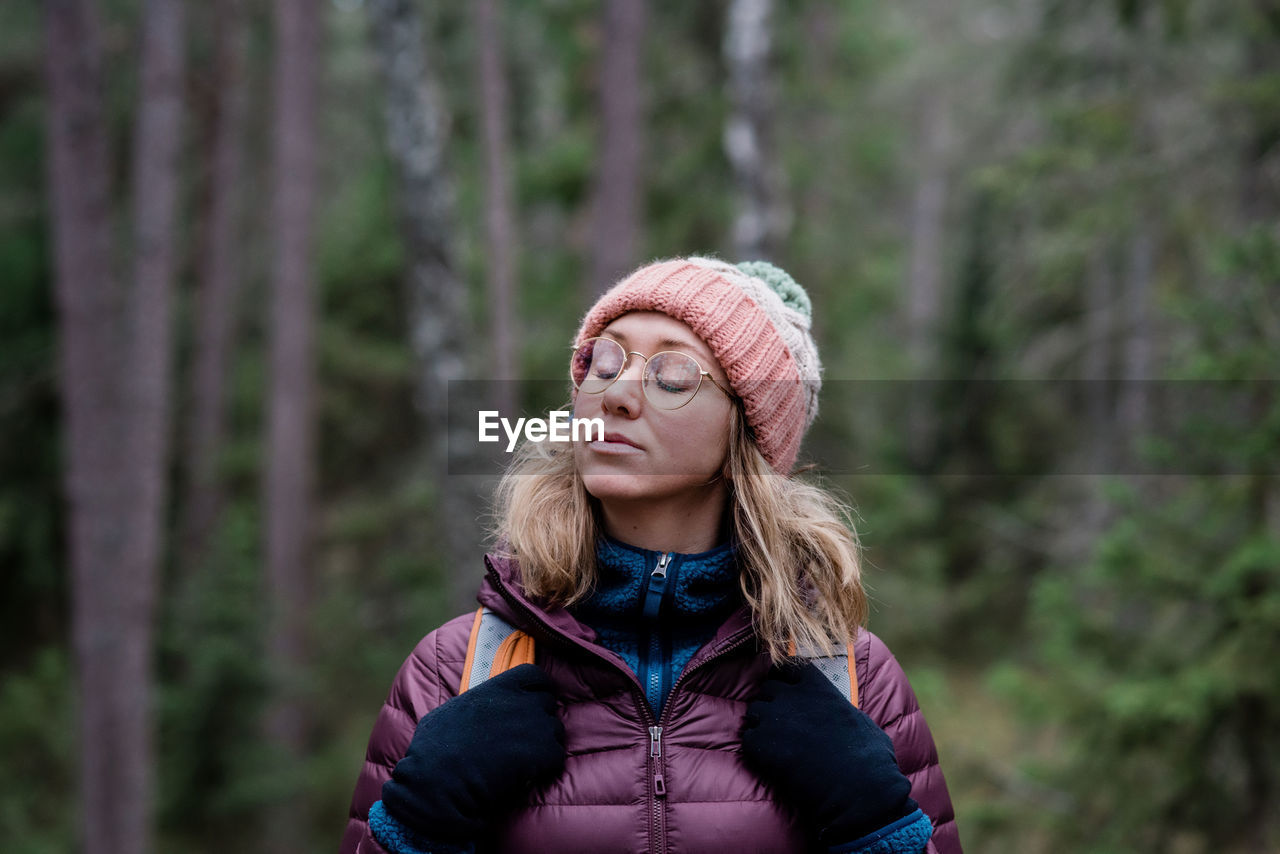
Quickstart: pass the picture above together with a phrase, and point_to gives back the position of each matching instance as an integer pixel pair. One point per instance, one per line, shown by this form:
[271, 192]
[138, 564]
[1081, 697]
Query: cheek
[705, 438]
[718, 449]
[582, 405]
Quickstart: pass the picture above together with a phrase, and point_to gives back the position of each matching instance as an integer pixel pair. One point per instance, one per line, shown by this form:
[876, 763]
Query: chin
[614, 486]
[611, 479]
[617, 487]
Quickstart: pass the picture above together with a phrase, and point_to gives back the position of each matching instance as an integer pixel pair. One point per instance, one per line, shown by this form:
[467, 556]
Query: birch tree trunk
[1100, 302]
[928, 210]
[924, 289]
[499, 216]
[219, 271]
[417, 129]
[1133, 403]
[763, 216]
[617, 198]
[291, 417]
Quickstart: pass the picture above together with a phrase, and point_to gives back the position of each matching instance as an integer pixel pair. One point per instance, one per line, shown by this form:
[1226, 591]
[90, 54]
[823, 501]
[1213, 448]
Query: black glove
[824, 755]
[475, 755]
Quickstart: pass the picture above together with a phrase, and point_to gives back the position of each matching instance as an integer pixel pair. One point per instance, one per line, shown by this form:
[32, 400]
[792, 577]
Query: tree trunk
[1100, 430]
[1132, 407]
[220, 265]
[416, 134]
[115, 391]
[616, 204]
[499, 216]
[763, 217]
[147, 383]
[88, 340]
[928, 209]
[924, 291]
[291, 417]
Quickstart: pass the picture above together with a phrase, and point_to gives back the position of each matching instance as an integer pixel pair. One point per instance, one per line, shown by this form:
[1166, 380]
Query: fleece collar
[502, 591]
[705, 587]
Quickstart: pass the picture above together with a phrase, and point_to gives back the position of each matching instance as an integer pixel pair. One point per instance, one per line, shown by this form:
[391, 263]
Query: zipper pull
[657, 586]
[655, 750]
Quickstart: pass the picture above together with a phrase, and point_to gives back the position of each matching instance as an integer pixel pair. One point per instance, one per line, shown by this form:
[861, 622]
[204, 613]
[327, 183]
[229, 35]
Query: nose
[625, 396]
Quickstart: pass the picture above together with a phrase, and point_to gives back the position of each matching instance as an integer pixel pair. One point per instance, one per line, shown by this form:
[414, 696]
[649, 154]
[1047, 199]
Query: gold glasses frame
[703, 373]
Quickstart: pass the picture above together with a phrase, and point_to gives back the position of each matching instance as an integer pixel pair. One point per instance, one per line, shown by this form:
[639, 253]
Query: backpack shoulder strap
[494, 647]
[840, 669]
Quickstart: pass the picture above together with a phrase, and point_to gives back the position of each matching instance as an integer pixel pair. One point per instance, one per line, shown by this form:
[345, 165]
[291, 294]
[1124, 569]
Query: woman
[665, 572]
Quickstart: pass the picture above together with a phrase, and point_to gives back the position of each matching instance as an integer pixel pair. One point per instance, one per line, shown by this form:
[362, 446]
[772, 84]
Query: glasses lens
[596, 364]
[671, 380]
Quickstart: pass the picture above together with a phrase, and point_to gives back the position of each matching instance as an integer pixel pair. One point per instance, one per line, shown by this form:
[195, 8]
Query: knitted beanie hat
[755, 319]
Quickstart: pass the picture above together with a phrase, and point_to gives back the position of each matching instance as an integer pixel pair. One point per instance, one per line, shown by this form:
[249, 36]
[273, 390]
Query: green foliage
[211, 689]
[38, 754]
[1161, 646]
[367, 367]
[33, 584]
[1161, 652]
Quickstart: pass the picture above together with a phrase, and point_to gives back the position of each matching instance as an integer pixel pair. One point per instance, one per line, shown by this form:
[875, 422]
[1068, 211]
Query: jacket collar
[704, 587]
[502, 591]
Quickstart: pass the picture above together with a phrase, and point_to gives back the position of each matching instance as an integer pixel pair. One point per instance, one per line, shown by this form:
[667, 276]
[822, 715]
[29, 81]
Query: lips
[621, 439]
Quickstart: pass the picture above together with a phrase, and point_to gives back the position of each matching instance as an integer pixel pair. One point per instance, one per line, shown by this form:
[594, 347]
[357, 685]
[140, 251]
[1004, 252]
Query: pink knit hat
[755, 319]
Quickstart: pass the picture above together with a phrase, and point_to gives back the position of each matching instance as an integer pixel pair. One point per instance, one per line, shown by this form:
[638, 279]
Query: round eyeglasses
[670, 381]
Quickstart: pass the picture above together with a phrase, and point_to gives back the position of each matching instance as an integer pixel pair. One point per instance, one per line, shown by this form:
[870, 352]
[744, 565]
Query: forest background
[246, 247]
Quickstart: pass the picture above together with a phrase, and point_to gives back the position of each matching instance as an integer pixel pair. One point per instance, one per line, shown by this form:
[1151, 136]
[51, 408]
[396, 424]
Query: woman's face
[674, 454]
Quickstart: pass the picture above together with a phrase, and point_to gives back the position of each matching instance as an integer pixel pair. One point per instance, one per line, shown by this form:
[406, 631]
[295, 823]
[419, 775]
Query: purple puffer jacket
[614, 795]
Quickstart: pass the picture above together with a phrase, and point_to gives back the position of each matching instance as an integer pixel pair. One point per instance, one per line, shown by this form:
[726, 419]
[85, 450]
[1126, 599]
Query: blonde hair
[800, 557]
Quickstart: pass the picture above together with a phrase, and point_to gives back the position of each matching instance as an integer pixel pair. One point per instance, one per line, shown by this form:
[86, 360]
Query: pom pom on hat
[781, 283]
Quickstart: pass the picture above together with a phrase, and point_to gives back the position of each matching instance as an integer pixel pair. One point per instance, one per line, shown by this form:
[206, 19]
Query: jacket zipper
[658, 794]
[658, 837]
[652, 663]
[655, 750]
[656, 842]
[657, 763]
[655, 668]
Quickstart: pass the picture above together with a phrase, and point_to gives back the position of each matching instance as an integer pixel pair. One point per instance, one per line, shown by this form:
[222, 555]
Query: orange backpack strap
[840, 669]
[495, 646]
